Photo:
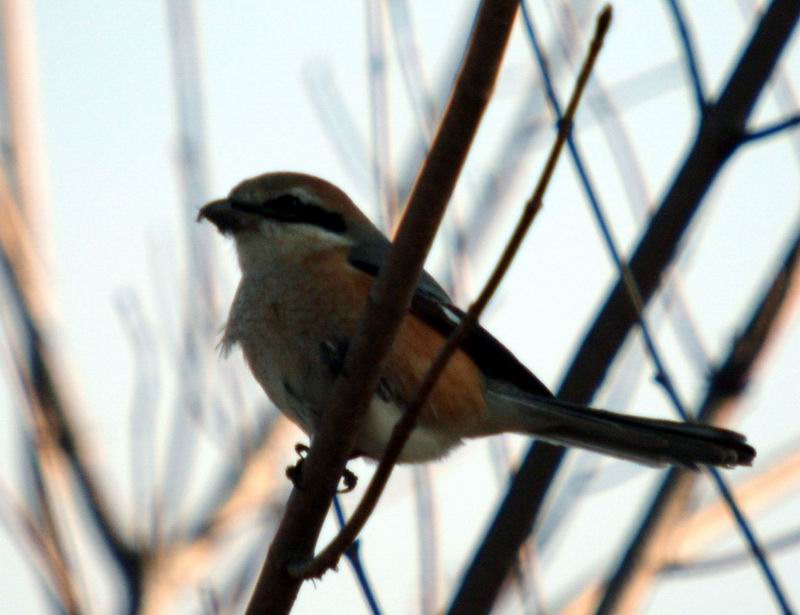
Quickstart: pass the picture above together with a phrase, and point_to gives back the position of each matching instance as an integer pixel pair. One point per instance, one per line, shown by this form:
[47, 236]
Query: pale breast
[294, 328]
[291, 327]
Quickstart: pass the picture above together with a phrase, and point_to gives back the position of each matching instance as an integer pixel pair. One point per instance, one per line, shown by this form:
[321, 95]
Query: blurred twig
[381, 158]
[721, 131]
[40, 537]
[690, 55]
[663, 376]
[776, 127]
[188, 560]
[49, 409]
[761, 493]
[727, 384]
[788, 539]
[21, 133]
[199, 305]
[353, 555]
[694, 534]
[338, 122]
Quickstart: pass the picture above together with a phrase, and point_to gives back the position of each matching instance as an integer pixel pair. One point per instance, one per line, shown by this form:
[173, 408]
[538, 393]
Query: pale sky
[110, 145]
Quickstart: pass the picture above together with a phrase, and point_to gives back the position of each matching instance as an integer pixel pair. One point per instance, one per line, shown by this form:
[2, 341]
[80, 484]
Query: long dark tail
[648, 441]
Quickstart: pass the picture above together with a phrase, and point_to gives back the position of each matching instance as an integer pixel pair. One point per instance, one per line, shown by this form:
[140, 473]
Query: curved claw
[295, 473]
[350, 481]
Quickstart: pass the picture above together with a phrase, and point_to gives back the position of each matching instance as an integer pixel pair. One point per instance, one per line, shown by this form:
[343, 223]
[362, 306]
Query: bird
[308, 257]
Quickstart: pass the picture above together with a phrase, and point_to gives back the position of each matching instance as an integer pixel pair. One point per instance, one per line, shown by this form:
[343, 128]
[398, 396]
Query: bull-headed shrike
[308, 257]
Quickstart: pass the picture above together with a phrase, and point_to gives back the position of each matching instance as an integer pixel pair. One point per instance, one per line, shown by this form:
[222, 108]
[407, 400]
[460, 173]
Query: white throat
[276, 245]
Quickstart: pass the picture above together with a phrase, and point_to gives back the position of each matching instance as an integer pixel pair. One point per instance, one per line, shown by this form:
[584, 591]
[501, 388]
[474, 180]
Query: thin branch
[353, 555]
[421, 100]
[718, 138]
[775, 484]
[663, 377]
[402, 430]
[23, 156]
[784, 92]
[753, 543]
[689, 53]
[381, 156]
[174, 566]
[49, 405]
[726, 386]
[338, 122]
[420, 147]
[483, 597]
[528, 129]
[788, 539]
[696, 532]
[622, 148]
[772, 129]
[411, 68]
[388, 303]
[427, 539]
[33, 539]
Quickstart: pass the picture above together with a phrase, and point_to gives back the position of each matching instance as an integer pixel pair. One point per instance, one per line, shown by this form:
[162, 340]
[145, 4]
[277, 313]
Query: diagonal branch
[389, 300]
[772, 129]
[690, 55]
[697, 531]
[329, 557]
[49, 408]
[631, 577]
[720, 133]
[788, 539]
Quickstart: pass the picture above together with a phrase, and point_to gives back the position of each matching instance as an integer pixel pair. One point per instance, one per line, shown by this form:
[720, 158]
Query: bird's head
[282, 213]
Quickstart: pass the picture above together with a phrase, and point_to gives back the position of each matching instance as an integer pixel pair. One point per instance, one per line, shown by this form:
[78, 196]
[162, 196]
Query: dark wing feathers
[433, 306]
[489, 354]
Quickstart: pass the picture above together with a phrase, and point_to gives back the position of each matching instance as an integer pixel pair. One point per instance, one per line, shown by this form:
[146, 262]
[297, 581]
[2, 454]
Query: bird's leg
[295, 473]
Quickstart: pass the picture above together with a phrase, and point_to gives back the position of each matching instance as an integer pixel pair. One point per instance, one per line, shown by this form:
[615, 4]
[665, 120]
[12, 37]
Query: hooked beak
[223, 216]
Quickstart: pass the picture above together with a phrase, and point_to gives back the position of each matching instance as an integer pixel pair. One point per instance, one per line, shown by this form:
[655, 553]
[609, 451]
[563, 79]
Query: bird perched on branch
[308, 257]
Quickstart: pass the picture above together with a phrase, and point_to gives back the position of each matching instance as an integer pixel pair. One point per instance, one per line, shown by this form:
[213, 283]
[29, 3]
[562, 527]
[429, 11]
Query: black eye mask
[293, 210]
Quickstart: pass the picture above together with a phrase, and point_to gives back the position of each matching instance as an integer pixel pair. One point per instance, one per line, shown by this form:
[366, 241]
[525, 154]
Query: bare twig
[428, 547]
[772, 129]
[760, 494]
[40, 544]
[200, 304]
[693, 534]
[389, 300]
[331, 554]
[23, 155]
[353, 554]
[479, 596]
[788, 539]
[49, 408]
[174, 566]
[721, 130]
[692, 61]
[381, 158]
[664, 378]
[630, 579]
[338, 122]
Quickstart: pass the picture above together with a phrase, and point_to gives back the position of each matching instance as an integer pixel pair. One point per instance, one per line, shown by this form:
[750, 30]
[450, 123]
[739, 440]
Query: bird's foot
[349, 480]
[295, 473]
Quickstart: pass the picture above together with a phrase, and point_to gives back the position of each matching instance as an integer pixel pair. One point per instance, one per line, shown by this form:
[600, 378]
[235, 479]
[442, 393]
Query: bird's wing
[433, 306]
[372, 249]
